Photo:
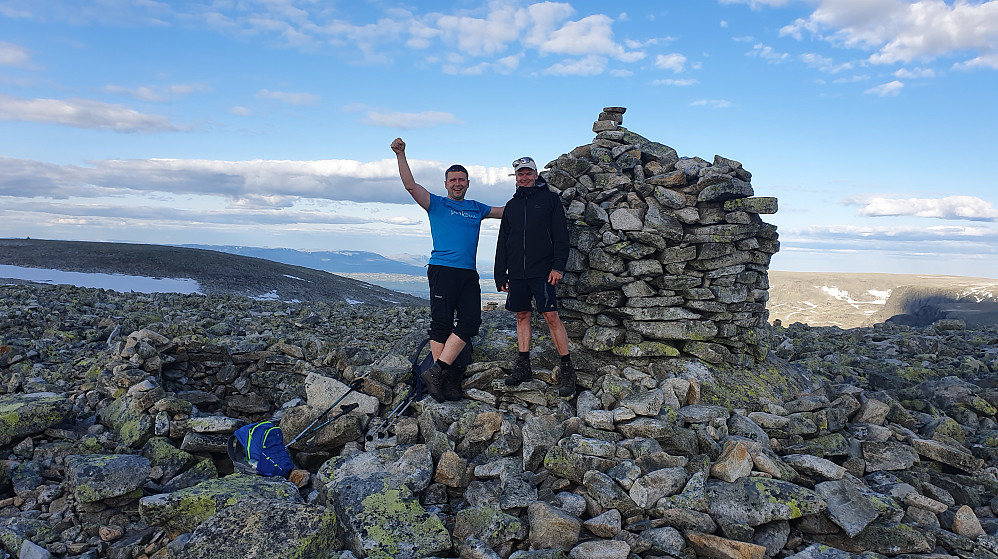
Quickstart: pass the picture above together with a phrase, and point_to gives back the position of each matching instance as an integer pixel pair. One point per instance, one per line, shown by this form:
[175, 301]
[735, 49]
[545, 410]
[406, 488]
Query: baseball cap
[524, 163]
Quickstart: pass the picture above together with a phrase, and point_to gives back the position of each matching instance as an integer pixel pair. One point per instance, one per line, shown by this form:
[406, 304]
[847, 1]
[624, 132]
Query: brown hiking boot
[521, 372]
[566, 380]
[433, 381]
[452, 384]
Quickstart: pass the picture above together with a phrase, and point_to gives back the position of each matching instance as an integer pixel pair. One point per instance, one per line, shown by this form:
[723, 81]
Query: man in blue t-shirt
[454, 289]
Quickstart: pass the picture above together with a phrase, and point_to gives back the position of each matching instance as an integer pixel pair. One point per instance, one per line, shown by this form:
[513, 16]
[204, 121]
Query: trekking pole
[399, 408]
[357, 383]
[343, 411]
[383, 430]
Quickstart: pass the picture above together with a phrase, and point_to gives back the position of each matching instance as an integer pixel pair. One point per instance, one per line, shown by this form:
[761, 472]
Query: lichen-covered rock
[22, 415]
[492, 526]
[382, 518]
[551, 527]
[265, 528]
[183, 510]
[755, 500]
[95, 477]
[133, 426]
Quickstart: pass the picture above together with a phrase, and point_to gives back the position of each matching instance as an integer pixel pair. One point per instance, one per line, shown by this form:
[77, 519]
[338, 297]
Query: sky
[268, 122]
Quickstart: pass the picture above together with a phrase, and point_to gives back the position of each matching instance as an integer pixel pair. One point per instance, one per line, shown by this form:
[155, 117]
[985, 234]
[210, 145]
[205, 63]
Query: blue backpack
[262, 449]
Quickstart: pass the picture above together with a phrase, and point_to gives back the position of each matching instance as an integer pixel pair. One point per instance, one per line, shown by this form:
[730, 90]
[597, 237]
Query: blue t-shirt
[454, 227]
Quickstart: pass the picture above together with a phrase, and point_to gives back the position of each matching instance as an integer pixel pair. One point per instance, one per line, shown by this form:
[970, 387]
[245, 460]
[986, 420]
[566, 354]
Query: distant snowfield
[879, 297]
[115, 282]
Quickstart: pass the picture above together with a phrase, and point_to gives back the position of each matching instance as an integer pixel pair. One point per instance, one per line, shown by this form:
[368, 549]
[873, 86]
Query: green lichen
[321, 543]
[389, 508]
[87, 494]
[981, 405]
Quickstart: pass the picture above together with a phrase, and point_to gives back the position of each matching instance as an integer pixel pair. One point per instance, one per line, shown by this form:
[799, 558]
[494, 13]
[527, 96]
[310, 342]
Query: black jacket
[533, 235]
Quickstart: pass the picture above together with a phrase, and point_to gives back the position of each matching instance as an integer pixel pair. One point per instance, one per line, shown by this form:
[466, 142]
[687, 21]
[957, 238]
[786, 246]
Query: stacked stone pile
[106, 456]
[668, 253]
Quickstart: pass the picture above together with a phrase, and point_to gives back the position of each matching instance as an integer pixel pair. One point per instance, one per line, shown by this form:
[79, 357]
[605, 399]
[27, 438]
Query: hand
[504, 287]
[554, 277]
[398, 146]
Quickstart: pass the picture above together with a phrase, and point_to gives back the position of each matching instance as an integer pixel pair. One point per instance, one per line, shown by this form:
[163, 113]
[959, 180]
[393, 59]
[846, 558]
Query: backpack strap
[249, 437]
[265, 433]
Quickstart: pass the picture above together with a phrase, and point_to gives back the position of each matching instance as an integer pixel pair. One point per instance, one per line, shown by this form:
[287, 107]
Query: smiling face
[457, 185]
[526, 177]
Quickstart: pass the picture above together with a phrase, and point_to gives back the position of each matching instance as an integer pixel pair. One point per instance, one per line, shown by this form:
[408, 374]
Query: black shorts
[522, 290]
[454, 291]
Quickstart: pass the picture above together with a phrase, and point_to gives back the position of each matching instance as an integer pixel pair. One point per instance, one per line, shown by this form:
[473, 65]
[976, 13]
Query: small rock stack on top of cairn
[668, 253]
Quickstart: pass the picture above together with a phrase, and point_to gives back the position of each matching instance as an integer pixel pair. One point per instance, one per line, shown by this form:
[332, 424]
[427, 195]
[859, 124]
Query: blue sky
[268, 122]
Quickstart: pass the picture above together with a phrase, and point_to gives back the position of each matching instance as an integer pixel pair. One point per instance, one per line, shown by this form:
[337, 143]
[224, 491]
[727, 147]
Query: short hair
[456, 168]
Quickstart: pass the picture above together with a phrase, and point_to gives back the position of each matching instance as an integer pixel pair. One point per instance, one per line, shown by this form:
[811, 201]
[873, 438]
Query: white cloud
[503, 66]
[903, 31]
[497, 29]
[157, 93]
[939, 233]
[421, 35]
[885, 89]
[756, 4]
[589, 35]
[540, 20]
[478, 37]
[589, 66]
[673, 61]
[712, 103]
[767, 53]
[241, 111]
[989, 60]
[950, 207]
[13, 55]
[824, 63]
[906, 73]
[265, 213]
[676, 83]
[83, 113]
[288, 97]
[253, 183]
[852, 79]
[409, 121]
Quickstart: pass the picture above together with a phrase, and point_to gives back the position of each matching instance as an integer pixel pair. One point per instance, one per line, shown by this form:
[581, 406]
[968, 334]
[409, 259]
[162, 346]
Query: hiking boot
[433, 381]
[566, 380]
[521, 372]
[452, 384]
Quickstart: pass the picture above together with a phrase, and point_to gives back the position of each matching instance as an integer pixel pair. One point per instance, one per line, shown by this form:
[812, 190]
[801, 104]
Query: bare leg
[558, 333]
[450, 350]
[523, 330]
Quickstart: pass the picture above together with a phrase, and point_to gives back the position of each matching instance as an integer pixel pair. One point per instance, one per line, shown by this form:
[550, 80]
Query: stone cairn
[668, 254]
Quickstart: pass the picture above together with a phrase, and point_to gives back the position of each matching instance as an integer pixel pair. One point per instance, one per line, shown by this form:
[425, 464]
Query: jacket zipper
[524, 237]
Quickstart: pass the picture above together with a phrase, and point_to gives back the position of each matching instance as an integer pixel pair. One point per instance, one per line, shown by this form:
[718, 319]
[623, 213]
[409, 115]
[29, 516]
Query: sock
[566, 360]
[525, 355]
[443, 365]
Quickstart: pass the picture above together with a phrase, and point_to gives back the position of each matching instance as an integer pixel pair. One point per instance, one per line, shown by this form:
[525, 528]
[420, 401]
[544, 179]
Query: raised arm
[418, 193]
[496, 212]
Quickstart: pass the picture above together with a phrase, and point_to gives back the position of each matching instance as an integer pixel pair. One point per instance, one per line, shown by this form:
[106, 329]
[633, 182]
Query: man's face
[457, 185]
[526, 177]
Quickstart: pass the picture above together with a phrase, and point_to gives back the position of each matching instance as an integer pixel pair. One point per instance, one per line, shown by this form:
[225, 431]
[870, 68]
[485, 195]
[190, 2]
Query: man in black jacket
[530, 261]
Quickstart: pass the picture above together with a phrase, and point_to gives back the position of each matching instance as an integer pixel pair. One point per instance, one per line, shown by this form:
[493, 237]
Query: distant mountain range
[332, 261]
[216, 272]
[816, 298]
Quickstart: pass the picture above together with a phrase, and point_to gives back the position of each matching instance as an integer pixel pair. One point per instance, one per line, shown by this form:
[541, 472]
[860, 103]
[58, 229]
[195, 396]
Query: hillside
[852, 300]
[846, 300]
[217, 273]
[332, 261]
